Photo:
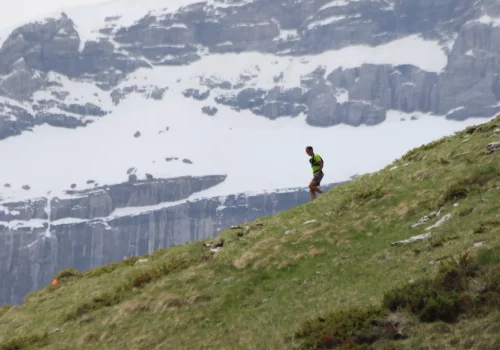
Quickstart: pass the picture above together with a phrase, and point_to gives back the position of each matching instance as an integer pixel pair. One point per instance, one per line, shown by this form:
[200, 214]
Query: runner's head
[309, 151]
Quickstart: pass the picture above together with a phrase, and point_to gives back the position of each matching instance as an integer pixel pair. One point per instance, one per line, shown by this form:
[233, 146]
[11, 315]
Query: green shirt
[315, 162]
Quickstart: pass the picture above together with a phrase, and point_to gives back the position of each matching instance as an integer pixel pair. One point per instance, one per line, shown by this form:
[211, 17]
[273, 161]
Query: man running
[317, 168]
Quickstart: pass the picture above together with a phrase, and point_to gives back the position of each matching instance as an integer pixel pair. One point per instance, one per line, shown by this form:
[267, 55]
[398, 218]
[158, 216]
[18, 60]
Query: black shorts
[318, 179]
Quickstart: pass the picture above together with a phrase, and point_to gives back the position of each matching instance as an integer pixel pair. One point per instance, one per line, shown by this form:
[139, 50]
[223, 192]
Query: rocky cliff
[92, 228]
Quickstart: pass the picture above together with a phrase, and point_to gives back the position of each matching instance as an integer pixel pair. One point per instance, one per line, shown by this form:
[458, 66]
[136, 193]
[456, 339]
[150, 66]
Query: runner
[317, 167]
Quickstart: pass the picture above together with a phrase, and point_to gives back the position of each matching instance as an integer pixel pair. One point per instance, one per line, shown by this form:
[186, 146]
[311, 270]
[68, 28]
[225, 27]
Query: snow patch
[335, 3]
[324, 22]
[492, 21]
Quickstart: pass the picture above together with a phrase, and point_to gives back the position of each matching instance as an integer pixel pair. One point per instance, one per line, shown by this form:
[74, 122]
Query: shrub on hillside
[68, 273]
[454, 192]
[479, 129]
[442, 298]
[340, 328]
[424, 300]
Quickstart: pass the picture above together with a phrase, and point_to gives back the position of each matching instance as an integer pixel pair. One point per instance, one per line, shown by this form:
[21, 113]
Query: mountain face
[124, 130]
[466, 84]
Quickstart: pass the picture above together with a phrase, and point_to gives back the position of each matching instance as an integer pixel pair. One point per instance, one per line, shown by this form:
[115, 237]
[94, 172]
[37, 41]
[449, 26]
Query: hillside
[269, 277]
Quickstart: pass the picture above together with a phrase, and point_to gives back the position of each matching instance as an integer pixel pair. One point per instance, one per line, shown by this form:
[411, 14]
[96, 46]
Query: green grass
[337, 279]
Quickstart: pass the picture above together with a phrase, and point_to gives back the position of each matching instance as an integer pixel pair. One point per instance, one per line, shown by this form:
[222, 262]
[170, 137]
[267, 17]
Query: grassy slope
[256, 292]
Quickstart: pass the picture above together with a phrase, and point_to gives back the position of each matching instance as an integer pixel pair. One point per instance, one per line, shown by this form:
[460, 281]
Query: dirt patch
[315, 252]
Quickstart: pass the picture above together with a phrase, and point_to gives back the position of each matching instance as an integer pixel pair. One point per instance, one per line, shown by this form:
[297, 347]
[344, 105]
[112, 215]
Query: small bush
[437, 299]
[444, 161]
[142, 277]
[470, 130]
[454, 192]
[424, 300]
[436, 242]
[478, 129]
[454, 275]
[68, 273]
[465, 212]
[486, 226]
[339, 328]
[368, 194]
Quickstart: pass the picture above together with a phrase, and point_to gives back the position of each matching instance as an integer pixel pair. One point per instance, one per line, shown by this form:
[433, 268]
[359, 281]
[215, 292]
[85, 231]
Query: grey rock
[137, 134]
[112, 18]
[88, 109]
[413, 239]
[157, 93]
[214, 84]
[322, 106]
[187, 161]
[196, 94]
[492, 147]
[132, 178]
[26, 187]
[61, 95]
[211, 111]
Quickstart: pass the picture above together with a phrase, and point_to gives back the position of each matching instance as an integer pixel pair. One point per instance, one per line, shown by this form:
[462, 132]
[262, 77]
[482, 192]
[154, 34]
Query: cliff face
[109, 224]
